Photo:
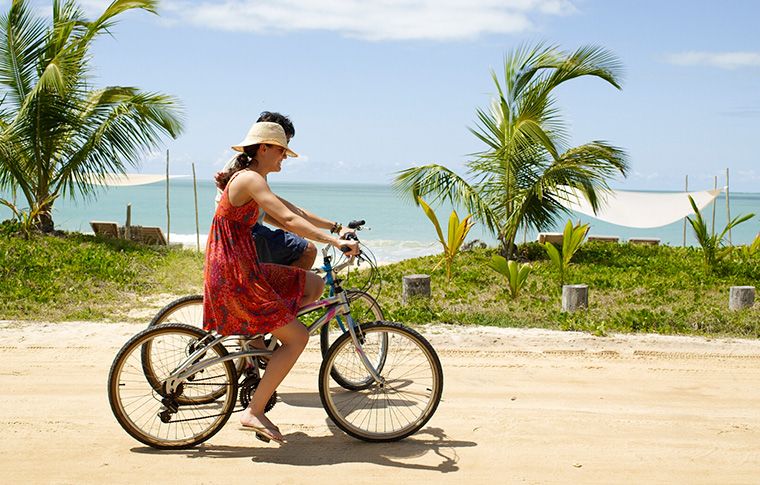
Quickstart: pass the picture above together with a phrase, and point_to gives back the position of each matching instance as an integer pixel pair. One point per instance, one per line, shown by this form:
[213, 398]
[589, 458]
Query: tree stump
[574, 297]
[741, 297]
[415, 285]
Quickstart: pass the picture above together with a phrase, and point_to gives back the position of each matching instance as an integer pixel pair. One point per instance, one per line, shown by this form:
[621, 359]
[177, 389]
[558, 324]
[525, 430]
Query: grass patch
[80, 277]
[632, 288]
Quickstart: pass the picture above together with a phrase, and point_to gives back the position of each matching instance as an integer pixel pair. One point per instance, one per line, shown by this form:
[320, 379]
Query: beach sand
[519, 406]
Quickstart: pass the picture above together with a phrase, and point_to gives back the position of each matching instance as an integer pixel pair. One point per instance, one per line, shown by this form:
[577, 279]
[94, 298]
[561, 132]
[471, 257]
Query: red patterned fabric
[240, 295]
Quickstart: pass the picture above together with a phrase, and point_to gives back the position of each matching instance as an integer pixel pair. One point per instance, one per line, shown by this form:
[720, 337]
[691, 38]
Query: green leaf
[431, 215]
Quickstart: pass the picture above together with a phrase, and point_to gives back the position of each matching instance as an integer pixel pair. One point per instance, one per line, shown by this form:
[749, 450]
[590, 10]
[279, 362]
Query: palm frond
[443, 185]
[591, 60]
[108, 18]
[21, 36]
[117, 127]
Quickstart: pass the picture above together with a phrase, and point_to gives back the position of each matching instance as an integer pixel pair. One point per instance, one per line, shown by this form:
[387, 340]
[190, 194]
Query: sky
[374, 87]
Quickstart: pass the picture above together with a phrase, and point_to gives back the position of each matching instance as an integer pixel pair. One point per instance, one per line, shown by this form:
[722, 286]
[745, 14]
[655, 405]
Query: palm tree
[56, 129]
[524, 174]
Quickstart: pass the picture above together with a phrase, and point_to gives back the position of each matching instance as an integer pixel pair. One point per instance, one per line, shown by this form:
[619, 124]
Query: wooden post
[413, 285]
[714, 203]
[686, 189]
[197, 227]
[574, 297]
[128, 224]
[741, 297]
[168, 218]
[728, 211]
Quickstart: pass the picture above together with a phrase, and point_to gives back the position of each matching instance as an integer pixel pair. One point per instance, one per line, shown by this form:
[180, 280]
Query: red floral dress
[241, 295]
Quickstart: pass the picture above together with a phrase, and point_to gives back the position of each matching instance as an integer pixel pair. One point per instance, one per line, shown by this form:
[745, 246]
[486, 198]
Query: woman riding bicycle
[243, 296]
[279, 246]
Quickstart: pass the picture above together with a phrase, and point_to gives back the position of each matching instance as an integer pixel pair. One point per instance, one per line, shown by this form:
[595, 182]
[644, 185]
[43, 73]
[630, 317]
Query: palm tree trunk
[45, 219]
[507, 245]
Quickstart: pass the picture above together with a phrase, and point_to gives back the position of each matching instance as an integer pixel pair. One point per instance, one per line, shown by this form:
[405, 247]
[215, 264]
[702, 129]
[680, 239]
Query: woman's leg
[293, 338]
[313, 289]
[307, 258]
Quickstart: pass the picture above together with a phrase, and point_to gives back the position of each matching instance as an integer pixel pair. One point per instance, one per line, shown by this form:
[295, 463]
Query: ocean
[398, 230]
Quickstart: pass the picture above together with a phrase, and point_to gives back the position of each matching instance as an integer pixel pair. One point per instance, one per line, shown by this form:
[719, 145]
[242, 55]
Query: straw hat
[266, 132]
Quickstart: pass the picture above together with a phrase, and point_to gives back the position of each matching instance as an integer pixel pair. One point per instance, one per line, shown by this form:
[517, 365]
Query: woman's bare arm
[251, 185]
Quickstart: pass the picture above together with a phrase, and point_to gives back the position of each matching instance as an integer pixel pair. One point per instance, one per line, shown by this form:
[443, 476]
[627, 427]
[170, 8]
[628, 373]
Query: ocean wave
[385, 251]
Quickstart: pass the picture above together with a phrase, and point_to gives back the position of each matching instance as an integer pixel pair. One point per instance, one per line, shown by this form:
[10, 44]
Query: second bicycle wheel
[364, 309]
[189, 310]
[152, 415]
[407, 396]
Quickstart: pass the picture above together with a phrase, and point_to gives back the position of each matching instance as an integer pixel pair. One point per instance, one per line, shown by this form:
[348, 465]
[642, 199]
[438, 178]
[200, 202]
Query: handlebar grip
[356, 224]
[351, 237]
[345, 249]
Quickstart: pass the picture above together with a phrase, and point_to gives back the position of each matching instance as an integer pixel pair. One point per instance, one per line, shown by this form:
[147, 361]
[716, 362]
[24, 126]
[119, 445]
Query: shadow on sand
[304, 450]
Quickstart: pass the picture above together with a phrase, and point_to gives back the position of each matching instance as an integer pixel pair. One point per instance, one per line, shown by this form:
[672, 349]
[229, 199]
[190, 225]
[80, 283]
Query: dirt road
[519, 406]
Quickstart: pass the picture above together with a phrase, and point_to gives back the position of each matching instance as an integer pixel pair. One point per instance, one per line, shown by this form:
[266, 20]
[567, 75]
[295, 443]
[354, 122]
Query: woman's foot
[264, 428]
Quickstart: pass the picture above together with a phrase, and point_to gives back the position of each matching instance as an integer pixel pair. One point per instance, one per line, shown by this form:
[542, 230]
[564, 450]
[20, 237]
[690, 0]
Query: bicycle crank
[248, 387]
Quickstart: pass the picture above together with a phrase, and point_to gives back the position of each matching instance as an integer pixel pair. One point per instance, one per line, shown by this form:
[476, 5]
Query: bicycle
[189, 309]
[174, 386]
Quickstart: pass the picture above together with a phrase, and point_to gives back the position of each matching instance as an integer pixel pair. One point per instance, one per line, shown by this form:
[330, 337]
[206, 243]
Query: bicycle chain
[250, 381]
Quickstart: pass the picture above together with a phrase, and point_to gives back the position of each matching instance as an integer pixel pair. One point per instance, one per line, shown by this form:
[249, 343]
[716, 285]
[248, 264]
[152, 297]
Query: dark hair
[282, 120]
[242, 161]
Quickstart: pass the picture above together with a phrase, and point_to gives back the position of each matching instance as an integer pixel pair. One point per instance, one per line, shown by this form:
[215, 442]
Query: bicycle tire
[155, 417]
[404, 403]
[188, 309]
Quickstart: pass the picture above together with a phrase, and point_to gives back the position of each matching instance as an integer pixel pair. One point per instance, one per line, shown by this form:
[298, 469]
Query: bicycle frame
[336, 305]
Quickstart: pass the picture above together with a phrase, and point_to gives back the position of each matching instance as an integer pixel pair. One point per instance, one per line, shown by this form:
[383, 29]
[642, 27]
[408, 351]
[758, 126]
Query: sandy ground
[519, 406]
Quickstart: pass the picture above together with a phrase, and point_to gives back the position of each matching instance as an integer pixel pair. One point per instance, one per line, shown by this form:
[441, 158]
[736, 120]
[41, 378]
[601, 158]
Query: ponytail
[243, 161]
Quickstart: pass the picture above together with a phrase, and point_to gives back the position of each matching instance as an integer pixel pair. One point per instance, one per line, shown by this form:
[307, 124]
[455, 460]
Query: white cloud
[749, 175]
[440, 20]
[723, 60]
[644, 176]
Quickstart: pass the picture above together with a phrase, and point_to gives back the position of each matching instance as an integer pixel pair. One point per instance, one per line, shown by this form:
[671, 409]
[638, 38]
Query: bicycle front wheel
[161, 419]
[402, 402]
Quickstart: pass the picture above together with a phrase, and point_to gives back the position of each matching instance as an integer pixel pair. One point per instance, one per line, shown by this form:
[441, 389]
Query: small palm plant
[457, 233]
[516, 275]
[572, 238]
[28, 220]
[712, 244]
[748, 252]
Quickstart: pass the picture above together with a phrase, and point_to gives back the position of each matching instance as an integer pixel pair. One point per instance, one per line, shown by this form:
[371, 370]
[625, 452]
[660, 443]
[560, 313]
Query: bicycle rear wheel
[180, 419]
[407, 397]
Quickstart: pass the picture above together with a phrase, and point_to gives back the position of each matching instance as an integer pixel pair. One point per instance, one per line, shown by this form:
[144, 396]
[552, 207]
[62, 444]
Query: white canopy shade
[117, 179]
[641, 209]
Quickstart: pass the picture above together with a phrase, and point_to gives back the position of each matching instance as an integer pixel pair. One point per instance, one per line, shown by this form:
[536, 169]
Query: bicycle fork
[344, 310]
